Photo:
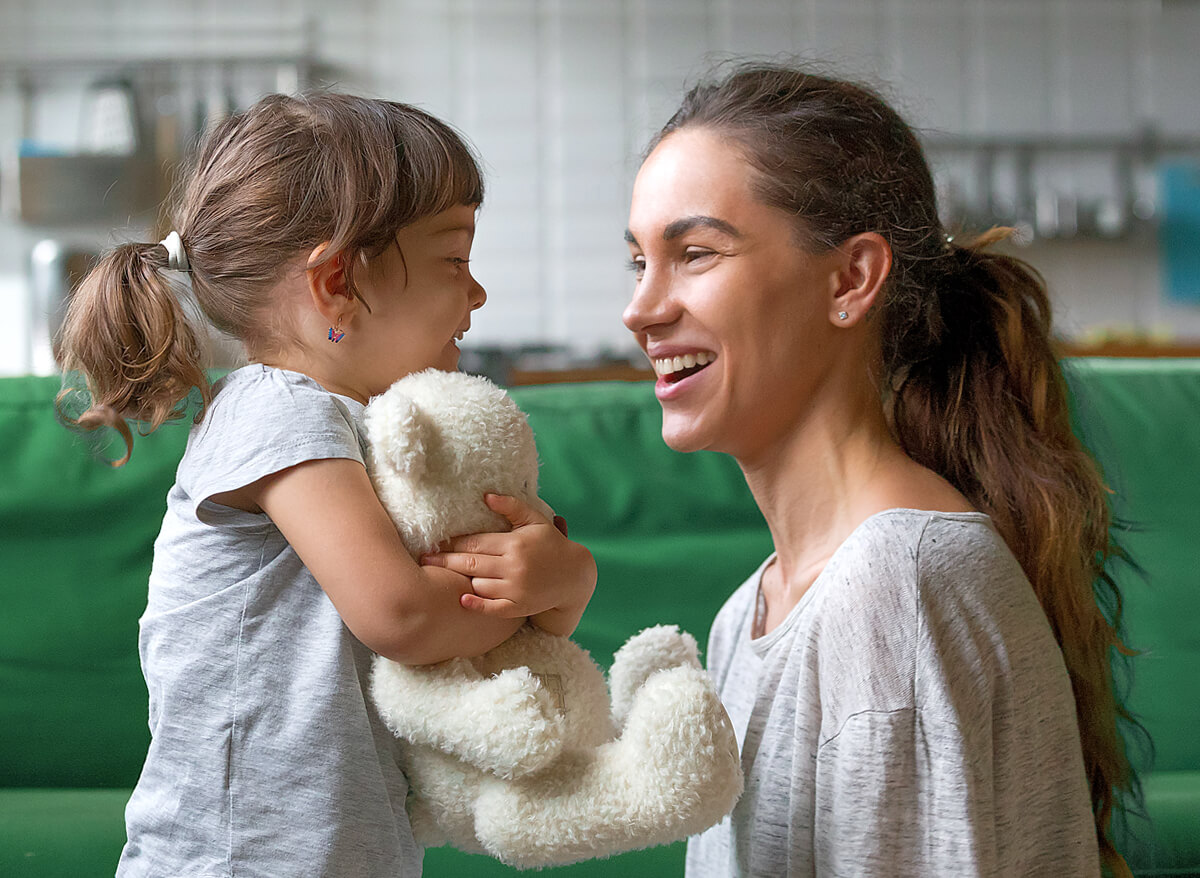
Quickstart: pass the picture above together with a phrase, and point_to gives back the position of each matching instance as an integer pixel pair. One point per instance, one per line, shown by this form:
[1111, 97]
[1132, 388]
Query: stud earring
[336, 333]
[843, 315]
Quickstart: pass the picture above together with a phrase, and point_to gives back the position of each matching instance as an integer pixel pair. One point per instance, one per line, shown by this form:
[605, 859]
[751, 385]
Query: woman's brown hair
[969, 376]
[268, 185]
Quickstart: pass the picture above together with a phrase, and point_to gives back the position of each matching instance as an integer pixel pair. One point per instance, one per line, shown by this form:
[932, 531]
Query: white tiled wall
[559, 96]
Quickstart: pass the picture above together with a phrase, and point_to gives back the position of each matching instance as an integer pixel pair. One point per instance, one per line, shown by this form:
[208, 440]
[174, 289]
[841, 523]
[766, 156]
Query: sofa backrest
[672, 534]
[1141, 420]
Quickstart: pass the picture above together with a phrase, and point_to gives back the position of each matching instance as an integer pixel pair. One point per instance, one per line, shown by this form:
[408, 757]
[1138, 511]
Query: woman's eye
[692, 254]
[637, 265]
[458, 260]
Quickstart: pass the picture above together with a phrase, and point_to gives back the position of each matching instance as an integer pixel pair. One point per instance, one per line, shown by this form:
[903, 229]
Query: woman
[919, 674]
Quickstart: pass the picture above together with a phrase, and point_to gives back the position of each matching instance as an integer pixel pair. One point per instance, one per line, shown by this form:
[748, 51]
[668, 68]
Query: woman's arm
[329, 513]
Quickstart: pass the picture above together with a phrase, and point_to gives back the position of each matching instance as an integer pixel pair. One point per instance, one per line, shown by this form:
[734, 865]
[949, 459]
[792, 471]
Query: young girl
[919, 675]
[332, 235]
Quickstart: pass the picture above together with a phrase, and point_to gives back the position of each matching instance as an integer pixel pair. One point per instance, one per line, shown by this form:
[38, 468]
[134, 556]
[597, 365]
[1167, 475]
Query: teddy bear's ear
[398, 431]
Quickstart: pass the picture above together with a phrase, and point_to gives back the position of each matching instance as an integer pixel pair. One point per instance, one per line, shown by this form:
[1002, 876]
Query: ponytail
[129, 336]
[977, 395]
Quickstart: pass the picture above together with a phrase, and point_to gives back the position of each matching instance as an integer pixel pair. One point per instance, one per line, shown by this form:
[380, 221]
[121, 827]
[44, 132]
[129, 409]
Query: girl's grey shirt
[912, 715]
[266, 758]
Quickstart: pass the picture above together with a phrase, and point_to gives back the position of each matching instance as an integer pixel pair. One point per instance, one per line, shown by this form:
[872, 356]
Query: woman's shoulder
[905, 560]
[914, 535]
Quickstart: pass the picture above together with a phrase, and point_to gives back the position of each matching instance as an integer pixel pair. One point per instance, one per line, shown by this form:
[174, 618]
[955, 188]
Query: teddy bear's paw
[651, 650]
[516, 724]
[680, 734]
[674, 772]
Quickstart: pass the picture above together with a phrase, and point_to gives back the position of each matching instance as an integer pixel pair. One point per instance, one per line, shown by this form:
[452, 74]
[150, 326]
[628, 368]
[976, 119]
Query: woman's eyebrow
[680, 226]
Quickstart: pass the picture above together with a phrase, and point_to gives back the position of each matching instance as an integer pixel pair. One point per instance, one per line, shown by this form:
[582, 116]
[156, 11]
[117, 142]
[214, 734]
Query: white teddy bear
[525, 753]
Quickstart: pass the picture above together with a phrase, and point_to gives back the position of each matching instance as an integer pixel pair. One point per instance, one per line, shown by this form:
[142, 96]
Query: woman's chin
[684, 438]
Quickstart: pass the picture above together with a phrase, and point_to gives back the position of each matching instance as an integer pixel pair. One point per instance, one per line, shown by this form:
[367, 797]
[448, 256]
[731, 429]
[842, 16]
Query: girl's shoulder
[265, 394]
[263, 420]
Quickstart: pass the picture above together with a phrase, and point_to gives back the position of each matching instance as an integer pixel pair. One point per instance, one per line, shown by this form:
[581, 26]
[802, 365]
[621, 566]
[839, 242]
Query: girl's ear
[867, 261]
[327, 284]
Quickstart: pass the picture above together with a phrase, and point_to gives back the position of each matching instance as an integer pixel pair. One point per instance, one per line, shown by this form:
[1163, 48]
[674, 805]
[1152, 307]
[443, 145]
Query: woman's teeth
[669, 366]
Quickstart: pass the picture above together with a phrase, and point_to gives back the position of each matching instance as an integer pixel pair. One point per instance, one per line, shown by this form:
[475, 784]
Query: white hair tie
[176, 256]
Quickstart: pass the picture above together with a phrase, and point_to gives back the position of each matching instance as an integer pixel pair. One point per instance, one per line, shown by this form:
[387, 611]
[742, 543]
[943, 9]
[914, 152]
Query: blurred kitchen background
[1078, 121]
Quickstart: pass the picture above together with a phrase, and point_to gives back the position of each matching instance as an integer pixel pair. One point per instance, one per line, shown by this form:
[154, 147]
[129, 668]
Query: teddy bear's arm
[507, 724]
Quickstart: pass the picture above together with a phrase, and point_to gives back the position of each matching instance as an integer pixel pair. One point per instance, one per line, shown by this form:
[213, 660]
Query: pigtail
[129, 337]
[978, 396]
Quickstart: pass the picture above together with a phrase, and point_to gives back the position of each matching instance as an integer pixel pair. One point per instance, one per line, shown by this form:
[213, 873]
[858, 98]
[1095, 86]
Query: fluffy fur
[527, 753]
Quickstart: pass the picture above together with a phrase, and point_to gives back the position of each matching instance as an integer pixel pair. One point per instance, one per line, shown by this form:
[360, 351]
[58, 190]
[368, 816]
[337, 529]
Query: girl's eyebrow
[468, 230]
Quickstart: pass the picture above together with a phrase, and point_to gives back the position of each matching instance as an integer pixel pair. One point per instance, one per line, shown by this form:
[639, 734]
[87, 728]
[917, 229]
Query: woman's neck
[821, 481]
[817, 485]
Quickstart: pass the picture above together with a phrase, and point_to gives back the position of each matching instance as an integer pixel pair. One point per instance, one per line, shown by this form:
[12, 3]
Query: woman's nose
[650, 305]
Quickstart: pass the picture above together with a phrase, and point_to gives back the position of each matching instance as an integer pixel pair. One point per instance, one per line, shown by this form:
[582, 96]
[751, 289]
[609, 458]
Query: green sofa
[672, 535]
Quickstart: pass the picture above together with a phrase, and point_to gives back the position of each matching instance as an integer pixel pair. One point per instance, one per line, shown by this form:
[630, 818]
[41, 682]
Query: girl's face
[421, 295]
[732, 313]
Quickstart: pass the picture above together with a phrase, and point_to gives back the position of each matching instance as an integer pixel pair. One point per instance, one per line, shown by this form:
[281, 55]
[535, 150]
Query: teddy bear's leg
[441, 799]
[674, 772]
[650, 650]
[506, 724]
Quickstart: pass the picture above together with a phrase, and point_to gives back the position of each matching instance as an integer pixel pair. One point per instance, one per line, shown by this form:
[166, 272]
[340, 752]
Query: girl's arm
[533, 571]
[329, 513]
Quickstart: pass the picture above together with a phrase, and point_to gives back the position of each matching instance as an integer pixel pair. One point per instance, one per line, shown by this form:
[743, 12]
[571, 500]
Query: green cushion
[61, 833]
[1171, 844]
[1141, 418]
[76, 555]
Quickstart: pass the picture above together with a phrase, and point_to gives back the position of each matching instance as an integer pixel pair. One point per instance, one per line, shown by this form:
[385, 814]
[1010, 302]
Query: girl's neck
[317, 371]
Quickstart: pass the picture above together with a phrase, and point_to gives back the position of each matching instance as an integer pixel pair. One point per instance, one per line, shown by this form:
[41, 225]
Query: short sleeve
[898, 797]
[262, 421]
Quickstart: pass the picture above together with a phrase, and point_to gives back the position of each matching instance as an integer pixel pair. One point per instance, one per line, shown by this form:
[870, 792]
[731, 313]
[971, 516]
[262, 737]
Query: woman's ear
[867, 260]
[328, 285]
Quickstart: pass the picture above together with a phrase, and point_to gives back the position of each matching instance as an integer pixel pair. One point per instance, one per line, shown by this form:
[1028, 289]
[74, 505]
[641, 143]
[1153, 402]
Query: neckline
[763, 642]
[307, 379]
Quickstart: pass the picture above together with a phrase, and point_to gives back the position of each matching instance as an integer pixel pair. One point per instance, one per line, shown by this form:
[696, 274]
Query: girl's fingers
[472, 544]
[517, 511]
[472, 565]
[499, 607]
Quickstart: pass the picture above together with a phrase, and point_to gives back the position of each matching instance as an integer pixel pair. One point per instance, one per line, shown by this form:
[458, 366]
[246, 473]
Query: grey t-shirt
[912, 715]
[266, 758]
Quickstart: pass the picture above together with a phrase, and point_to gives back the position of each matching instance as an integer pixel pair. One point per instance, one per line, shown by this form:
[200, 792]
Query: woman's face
[732, 313]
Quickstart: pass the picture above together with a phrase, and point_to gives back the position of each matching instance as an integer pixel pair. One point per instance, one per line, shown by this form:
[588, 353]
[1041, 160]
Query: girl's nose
[478, 294]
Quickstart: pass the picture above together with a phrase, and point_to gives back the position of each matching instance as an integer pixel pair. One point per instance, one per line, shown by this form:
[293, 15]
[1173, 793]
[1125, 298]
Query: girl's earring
[335, 332]
[843, 315]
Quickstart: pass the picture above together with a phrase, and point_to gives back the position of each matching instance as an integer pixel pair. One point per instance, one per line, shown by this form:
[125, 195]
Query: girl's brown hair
[968, 374]
[268, 185]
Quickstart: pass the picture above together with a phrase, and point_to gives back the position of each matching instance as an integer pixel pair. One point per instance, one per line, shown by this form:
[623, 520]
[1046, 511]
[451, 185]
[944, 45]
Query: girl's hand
[533, 571]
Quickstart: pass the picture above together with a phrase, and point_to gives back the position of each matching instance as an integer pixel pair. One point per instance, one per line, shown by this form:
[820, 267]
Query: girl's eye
[459, 261]
[692, 254]
[637, 265]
